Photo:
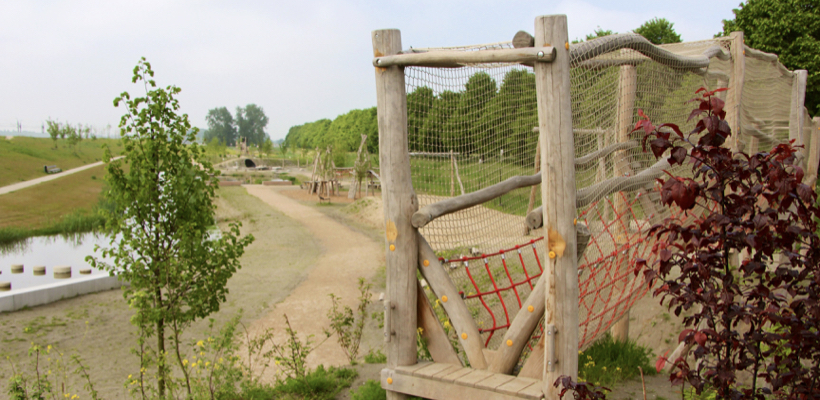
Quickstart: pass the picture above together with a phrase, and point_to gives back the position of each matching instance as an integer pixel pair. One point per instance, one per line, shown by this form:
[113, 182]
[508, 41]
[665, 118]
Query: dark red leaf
[682, 336]
[700, 338]
[661, 362]
[694, 114]
[717, 104]
[678, 155]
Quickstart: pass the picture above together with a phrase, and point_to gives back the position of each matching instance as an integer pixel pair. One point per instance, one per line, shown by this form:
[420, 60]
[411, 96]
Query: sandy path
[348, 255]
[32, 182]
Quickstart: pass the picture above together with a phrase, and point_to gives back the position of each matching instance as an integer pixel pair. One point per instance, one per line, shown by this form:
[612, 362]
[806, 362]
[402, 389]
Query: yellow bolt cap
[509, 343]
[552, 254]
[443, 299]
[392, 247]
[426, 263]
[575, 221]
[389, 381]
[566, 45]
[530, 308]
[464, 336]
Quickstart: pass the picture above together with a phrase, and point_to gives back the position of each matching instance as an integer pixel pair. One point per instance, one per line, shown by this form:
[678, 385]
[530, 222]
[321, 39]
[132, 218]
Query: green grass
[375, 357]
[22, 158]
[320, 384]
[608, 362]
[62, 206]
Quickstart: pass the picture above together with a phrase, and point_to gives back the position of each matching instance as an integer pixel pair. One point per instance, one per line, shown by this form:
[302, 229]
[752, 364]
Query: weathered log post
[796, 120]
[627, 85]
[734, 96]
[401, 245]
[552, 87]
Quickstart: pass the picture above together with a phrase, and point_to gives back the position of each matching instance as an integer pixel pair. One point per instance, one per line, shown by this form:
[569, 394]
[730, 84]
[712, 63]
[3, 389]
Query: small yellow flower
[75, 397]
[604, 368]
[184, 363]
[277, 362]
[580, 352]
[193, 365]
[201, 353]
[221, 360]
[421, 330]
[207, 363]
[66, 395]
[200, 343]
[618, 369]
[129, 376]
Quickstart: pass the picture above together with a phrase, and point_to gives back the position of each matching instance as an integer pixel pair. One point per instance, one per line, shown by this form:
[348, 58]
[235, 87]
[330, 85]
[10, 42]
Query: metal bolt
[378, 61]
[540, 54]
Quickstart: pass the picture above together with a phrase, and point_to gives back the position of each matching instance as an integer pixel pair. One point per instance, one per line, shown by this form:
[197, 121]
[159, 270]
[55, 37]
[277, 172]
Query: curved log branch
[605, 151]
[587, 50]
[430, 212]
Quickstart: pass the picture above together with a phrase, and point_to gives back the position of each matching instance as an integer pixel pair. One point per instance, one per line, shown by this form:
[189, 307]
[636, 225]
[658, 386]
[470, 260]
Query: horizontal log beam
[456, 58]
[430, 212]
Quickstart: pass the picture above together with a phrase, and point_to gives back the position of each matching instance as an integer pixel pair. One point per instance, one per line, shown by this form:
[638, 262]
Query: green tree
[162, 194]
[266, 147]
[283, 148]
[658, 31]
[599, 33]
[251, 122]
[788, 28]
[221, 126]
[53, 130]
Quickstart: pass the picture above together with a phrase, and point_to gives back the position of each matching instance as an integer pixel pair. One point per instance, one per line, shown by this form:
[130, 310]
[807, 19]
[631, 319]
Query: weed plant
[610, 361]
[375, 357]
[348, 327]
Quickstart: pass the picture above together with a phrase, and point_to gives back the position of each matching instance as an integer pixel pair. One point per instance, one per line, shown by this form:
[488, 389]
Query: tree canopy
[659, 31]
[343, 133]
[788, 28]
[250, 122]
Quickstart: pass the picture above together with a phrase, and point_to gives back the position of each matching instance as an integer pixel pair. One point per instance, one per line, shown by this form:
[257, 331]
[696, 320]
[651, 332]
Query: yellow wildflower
[207, 363]
[129, 376]
[603, 368]
[184, 363]
[200, 343]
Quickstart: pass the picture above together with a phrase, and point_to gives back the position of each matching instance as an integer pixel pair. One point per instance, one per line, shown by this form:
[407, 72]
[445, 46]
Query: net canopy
[476, 126]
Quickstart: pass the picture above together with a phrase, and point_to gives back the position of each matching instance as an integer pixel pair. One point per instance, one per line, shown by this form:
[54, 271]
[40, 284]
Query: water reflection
[48, 251]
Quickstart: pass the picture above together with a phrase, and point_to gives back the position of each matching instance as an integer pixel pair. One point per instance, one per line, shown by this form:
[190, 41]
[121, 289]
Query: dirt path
[347, 256]
[32, 182]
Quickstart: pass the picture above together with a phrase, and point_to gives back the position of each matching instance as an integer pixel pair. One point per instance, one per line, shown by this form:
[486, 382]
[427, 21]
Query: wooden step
[441, 381]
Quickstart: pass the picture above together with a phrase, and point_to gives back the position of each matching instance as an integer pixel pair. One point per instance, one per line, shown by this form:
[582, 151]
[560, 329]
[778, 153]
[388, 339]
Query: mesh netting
[475, 126]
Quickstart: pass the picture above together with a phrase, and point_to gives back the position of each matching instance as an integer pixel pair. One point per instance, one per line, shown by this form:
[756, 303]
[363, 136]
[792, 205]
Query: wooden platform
[444, 381]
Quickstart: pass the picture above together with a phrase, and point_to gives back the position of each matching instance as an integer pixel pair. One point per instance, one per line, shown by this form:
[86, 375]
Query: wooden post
[627, 85]
[552, 87]
[796, 111]
[399, 198]
[356, 182]
[814, 154]
[733, 97]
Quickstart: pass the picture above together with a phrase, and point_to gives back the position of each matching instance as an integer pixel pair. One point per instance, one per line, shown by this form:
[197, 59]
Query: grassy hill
[23, 158]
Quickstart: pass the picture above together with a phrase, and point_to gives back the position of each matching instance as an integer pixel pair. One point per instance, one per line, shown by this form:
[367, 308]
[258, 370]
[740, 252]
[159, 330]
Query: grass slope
[22, 158]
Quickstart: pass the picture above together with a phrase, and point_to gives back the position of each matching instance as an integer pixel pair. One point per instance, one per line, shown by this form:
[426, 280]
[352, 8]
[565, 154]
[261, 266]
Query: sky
[298, 60]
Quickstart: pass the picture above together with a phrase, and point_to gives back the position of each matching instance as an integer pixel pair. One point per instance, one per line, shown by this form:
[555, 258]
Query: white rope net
[473, 127]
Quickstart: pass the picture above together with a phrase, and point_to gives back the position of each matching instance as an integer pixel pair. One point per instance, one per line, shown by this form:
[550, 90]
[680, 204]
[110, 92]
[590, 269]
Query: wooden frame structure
[555, 296]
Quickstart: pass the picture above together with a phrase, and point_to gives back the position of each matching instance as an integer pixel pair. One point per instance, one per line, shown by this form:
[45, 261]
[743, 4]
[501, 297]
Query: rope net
[475, 126]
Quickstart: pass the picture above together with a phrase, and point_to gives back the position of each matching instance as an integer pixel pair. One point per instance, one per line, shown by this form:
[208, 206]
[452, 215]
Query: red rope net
[495, 285]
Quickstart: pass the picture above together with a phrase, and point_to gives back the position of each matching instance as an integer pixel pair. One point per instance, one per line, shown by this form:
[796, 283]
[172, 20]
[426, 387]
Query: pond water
[48, 251]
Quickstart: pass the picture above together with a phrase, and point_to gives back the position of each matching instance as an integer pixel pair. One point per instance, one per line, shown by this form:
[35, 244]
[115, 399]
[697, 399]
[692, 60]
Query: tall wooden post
[796, 110]
[734, 96]
[558, 198]
[627, 85]
[814, 154]
[399, 198]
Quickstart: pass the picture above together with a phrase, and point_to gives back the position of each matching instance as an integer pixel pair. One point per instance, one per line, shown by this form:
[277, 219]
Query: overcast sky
[299, 60]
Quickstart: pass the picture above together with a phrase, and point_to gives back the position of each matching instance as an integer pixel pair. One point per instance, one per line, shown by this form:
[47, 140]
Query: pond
[48, 251]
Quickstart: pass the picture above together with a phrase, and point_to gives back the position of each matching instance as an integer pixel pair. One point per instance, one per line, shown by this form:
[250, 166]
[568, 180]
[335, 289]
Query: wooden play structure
[323, 181]
[470, 135]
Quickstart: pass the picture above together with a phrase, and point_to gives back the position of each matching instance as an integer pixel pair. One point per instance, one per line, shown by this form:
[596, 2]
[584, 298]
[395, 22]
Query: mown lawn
[22, 158]
[41, 205]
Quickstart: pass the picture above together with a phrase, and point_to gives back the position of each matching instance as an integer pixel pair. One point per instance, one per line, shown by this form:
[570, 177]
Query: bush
[609, 361]
[371, 390]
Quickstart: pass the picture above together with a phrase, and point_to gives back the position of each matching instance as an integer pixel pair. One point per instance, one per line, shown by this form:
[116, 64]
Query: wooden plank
[534, 366]
[430, 370]
[453, 376]
[494, 381]
[399, 199]
[474, 377]
[410, 369]
[438, 344]
[516, 385]
[437, 390]
[460, 316]
[457, 58]
[552, 86]
[447, 371]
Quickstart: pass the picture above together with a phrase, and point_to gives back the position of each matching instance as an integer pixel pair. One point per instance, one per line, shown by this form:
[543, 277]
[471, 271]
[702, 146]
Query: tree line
[342, 133]
[249, 122]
